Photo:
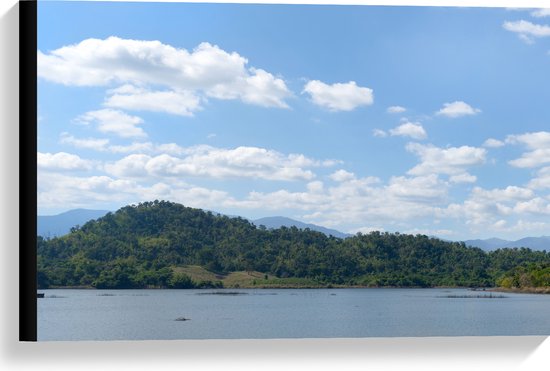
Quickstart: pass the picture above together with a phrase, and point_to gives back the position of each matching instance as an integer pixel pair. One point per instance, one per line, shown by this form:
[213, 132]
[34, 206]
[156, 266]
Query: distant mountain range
[534, 243]
[273, 222]
[58, 225]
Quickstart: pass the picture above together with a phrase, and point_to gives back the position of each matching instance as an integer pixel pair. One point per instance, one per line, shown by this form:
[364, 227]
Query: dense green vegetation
[533, 275]
[146, 245]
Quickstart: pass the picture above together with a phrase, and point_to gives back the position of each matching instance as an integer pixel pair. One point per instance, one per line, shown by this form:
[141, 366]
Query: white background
[450, 353]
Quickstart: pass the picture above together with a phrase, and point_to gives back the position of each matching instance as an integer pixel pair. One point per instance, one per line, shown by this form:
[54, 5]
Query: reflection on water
[286, 313]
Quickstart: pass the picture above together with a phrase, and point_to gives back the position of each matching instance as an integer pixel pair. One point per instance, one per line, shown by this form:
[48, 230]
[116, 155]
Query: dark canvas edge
[27, 170]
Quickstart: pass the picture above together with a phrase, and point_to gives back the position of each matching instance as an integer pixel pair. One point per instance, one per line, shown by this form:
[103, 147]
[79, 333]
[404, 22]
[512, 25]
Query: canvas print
[239, 171]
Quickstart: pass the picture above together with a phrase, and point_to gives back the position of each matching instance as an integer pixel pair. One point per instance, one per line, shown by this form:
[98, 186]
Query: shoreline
[530, 290]
[523, 290]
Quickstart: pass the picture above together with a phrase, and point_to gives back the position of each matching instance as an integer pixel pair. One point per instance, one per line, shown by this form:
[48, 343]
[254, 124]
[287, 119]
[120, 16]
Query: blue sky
[410, 119]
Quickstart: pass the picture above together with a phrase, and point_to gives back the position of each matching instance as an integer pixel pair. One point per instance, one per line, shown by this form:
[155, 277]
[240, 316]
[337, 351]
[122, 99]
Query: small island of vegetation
[162, 244]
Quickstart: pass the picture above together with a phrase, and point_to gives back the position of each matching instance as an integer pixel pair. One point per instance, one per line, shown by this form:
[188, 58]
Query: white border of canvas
[449, 353]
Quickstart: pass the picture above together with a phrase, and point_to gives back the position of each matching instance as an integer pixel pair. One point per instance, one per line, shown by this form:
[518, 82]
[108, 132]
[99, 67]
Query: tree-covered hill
[142, 246]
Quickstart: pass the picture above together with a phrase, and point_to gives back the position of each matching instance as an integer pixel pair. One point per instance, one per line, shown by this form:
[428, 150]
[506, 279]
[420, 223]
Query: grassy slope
[244, 279]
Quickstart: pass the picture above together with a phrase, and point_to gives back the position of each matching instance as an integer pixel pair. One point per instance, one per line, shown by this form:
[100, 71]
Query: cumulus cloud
[453, 161]
[521, 226]
[339, 96]
[134, 147]
[483, 207]
[538, 144]
[92, 191]
[535, 205]
[179, 102]
[457, 109]
[342, 175]
[103, 145]
[463, 178]
[526, 30]
[62, 161]
[427, 188]
[357, 201]
[207, 70]
[97, 144]
[542, 180]
[510, 193]
[379, 133]
[206, 161]
[409, 129]
[396, 109]
[315, 186]
[493, 143]
[116, 122]
[540, 13]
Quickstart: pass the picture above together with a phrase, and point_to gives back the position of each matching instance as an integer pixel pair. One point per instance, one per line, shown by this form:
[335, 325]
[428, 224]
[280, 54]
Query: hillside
[150, 244]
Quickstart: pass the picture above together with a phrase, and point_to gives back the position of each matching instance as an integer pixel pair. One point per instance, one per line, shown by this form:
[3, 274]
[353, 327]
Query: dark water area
[287, 313]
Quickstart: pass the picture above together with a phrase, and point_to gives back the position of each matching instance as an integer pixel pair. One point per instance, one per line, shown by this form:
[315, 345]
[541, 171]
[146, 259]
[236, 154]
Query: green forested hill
[145, 245]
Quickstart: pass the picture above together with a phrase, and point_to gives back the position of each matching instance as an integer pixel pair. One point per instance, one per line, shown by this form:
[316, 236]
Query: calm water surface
[263, 314]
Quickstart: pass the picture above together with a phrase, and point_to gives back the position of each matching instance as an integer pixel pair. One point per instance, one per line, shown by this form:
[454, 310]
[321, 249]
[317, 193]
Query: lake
[287, 313]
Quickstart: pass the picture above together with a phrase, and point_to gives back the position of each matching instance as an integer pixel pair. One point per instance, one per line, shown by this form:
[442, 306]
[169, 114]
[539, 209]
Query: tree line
[139, 246]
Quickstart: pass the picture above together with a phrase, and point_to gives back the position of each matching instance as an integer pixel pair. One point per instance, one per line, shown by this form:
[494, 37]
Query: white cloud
[379, 133]
[493, 143]
[536, 205]
[339, 96]
[342, 176]
[542, 180]
[97, 144]
[452, 161]
[539, 145]
[527, 30]
[173, 149]
[315, 186]
[181, 102]
[430, 232]
[114, 122]
[463, 178]
[396, 109]
[357, 201]
[533, 159]
[427, 188]
[206, 161]
[207, 69]
[510, 193]
[134, 147]
[410, 129]
[62, 161]
[457, 109]
[102, 145]
[484, 207]
[263, 89]
[93, 191]
[521, 226]
[540, 13]
[60, 189]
